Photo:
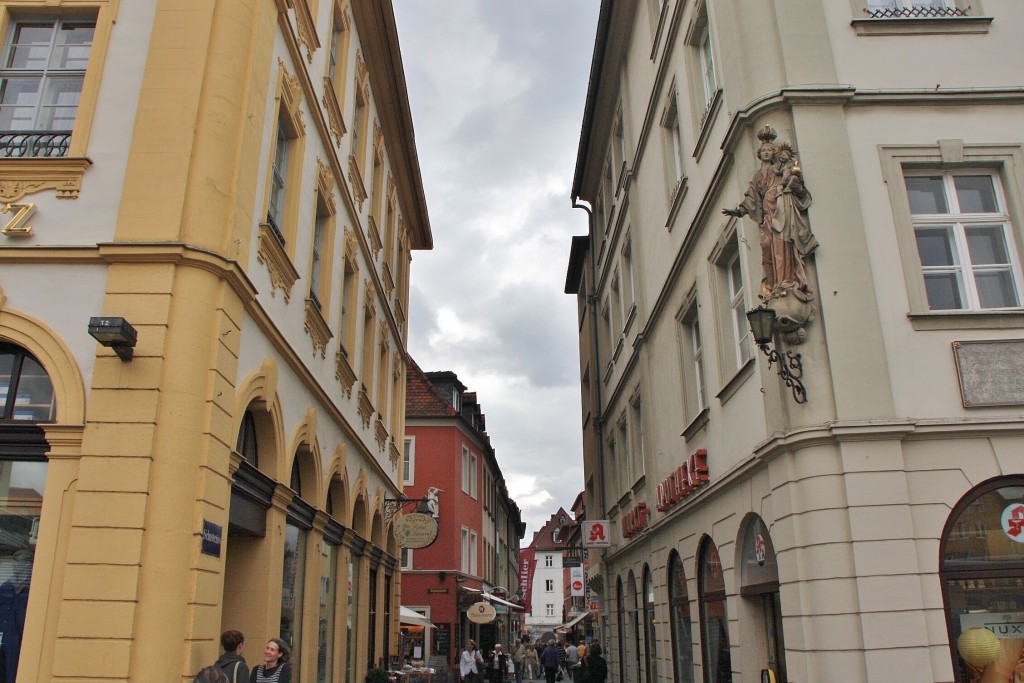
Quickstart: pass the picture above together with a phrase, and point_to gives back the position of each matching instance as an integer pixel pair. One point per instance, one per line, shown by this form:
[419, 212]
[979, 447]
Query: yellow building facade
[239, 182]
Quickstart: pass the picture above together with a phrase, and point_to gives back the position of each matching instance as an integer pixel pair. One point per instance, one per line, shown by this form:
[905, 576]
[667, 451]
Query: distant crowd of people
[555, 662]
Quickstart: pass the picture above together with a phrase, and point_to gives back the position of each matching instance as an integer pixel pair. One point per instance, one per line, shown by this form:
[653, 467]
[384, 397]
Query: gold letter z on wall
[16, 226]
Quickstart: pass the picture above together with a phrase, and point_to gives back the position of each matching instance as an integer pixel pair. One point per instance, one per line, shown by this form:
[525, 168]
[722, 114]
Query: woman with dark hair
[275, 667]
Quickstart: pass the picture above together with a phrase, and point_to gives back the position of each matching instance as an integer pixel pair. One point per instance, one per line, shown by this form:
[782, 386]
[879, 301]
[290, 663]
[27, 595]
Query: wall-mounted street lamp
[762, 326]
[114, 333]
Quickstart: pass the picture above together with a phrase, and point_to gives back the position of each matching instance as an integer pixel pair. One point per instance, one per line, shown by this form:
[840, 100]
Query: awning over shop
[501, 601]
[413, 618]
[575, 620]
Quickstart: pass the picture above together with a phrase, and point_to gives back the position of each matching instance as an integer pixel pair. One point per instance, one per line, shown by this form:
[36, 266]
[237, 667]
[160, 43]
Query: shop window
[26, 398]
[632, 652]
[714, 617]
[650, 628]
[620, 613]
[759, 582]
[352, 621]
[325, 627]
[679, 615]
[982, 573]
[371, 645]
[299, 521]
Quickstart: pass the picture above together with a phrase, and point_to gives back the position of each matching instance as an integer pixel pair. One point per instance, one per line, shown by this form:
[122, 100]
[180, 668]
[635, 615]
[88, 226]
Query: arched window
[714, 617]
[26, 399]
[26, 394]
[248, 446]
[981, 565]
[650, 631]
[620, 600]
[633, 625]
[296, 532]
[679, 612]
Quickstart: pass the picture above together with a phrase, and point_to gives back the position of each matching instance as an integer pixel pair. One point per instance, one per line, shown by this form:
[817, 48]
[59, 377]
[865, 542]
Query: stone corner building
[853, 524]
[239, 181]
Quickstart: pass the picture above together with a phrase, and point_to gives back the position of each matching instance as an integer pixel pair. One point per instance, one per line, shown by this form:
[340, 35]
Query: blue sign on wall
[212, 535]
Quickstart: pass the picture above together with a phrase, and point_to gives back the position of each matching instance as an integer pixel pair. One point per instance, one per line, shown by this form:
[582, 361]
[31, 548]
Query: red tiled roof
[421, 396]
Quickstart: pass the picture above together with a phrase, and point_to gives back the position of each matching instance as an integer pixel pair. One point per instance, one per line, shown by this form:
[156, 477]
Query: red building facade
[475, 556]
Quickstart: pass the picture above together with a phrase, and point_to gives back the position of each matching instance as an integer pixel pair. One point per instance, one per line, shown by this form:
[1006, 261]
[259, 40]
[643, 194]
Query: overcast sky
[497, 91]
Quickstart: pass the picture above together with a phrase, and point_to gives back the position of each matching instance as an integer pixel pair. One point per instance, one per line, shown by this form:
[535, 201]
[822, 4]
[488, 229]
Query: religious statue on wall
[777, 201]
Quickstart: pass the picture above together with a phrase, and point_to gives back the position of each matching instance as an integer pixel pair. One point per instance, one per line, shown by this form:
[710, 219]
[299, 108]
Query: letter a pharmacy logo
[1013, 522]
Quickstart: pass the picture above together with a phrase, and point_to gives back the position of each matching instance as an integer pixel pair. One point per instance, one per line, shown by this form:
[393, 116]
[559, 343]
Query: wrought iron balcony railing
[916, 12]
[34, 143]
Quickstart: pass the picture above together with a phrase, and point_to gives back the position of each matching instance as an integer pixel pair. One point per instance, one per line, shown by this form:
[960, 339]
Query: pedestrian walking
[518, 654]
[470, 662]
[532, 662]
[552, 661]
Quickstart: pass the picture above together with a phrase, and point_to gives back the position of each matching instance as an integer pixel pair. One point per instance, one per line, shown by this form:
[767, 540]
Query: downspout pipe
[597, 409]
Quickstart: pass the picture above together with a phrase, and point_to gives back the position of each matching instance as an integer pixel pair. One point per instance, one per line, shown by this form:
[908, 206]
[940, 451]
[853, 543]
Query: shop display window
[679, 608]
[982, 572]
[714, 616]
[325, 630]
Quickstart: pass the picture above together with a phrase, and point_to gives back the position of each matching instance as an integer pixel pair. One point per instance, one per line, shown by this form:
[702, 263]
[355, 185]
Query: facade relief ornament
[270, 253]
[777, 201]
[351, 248]
[335, 120]
[316, 327]
[369, 301]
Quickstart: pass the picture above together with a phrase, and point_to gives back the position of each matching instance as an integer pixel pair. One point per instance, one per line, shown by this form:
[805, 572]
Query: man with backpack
[231, 662]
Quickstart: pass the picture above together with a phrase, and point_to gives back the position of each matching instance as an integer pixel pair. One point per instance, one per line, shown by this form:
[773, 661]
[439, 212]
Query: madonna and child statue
[777, 201]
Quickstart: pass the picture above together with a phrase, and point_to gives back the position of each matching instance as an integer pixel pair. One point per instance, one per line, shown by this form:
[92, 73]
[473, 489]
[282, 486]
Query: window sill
[967, 320]
[317, 328]
[630, 317]
[27, 175]
[710, 114]
[675, 202]
[929, 26]
[738, 379]
[697, 424]
[270, 252]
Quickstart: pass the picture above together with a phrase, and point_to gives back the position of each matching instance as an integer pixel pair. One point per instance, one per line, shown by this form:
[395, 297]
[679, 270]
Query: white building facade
[854, 524]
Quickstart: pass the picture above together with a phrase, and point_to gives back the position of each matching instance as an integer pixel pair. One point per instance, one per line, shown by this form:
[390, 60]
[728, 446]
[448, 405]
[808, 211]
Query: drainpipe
[592, 305]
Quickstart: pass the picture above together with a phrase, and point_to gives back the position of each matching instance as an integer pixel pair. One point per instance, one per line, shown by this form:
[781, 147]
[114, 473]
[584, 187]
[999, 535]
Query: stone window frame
[1005, 162]
[733, 368]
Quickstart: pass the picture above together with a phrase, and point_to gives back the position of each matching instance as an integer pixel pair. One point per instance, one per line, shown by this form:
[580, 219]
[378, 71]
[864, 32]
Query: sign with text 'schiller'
[595, 534]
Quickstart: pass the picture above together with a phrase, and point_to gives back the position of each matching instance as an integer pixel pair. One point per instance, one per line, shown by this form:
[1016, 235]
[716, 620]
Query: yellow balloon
[978, 646]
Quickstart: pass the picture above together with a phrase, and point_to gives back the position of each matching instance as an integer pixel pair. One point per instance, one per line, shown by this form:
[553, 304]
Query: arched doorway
[759, 583]
[982, 571]
[650, 628]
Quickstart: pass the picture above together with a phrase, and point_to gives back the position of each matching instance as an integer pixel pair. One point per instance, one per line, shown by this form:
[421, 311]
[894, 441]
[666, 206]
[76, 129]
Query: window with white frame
[549, 560]
[406, 558]
[707, 66]
[738, 308]
[628, 281]
[673, 142]
[278, 181]
[549, 610]
[617, 310]
[464, 565]
[472, 552]
[468, 471]
[409, 460]
[703, 75]
[964, 240]
[45, 59]
[695, 388]
[636, 432]
[549, 585]
[622, 439]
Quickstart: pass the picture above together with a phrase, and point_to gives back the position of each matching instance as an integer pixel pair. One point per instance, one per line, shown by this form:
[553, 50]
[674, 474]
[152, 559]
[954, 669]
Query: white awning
[413, 618]
[501, 601]
[575, 620]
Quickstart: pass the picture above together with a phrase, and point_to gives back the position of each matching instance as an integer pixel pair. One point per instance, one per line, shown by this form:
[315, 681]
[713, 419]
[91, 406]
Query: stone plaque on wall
[991, 372]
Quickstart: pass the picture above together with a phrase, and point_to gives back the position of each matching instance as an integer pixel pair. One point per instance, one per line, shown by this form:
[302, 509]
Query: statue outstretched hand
[737, 212]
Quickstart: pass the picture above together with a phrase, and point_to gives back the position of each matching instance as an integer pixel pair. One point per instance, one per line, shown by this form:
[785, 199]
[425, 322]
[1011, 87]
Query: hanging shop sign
[481, 612]
[415, 530]
[687, 478]
[635, 521]
[595, 534]
[576, 581]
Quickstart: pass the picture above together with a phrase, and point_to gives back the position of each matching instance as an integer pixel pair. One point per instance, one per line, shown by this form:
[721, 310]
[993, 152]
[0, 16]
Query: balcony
[34, 144]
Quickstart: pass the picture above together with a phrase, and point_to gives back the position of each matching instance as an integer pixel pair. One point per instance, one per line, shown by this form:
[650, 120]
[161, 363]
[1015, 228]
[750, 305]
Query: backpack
[234, 673]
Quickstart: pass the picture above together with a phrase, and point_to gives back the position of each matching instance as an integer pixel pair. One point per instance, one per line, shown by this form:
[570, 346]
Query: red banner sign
[686, 479]
[527, 565]
[635, 521]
